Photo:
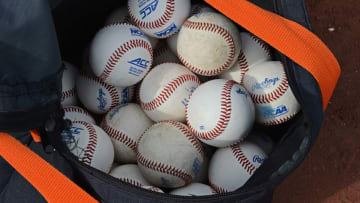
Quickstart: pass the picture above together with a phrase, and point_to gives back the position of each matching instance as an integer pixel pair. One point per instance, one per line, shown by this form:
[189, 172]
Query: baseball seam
[115, 97]
[159, 22]
[131, 181]
[167, 92]
[278, 121]
[120, 52]
[91, 146]
[67, 94]
[119, 136]
[224, 118]
[241, 158]
[244, 66]
[70, 109]
[271, 96]
[217, 188]
[261, 43]
[214, 29]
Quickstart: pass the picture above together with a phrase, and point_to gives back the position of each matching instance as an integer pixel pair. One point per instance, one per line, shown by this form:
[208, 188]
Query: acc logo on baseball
[269, 112]
[148, 9]
[139, 62]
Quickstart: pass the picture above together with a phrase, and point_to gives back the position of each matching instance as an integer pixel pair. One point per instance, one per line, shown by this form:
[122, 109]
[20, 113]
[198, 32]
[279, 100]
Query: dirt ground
[331, 173]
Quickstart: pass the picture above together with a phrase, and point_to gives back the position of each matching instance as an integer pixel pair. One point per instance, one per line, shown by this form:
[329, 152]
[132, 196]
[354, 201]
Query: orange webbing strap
[289, 37]
[53, 185]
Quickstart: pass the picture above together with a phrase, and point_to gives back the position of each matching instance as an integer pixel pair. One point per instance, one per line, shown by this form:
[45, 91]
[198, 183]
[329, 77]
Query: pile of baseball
[175, 112]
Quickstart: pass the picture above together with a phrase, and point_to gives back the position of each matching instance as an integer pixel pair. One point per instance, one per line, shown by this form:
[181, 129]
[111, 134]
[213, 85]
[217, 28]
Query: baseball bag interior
[35, 36]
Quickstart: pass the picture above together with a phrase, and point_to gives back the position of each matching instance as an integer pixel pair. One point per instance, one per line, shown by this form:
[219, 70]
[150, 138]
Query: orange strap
[289, 37]
[53, 185]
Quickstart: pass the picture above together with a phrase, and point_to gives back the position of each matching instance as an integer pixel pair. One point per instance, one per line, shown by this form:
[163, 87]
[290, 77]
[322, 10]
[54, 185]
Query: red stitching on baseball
[271, 96]
[91, 146]
[224, 118]
[261, 43]
[131, 181]
[168, 91]
[162, 20]
[115, 97]
[68, 94]
[69, 109]
[120, 52]
[278, 121]
[241, 158]
[244, 66]
[118, 135]
[215, 29]
[217, 188]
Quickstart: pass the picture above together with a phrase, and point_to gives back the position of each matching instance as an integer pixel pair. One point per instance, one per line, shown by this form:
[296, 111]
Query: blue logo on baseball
[166, 31]
[258, 159]
[269, 112]
[267, 83]
[148, 9]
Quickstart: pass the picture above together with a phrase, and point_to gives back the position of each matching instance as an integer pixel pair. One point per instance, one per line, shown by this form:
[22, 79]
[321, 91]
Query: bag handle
[52, 184]
[290, 38]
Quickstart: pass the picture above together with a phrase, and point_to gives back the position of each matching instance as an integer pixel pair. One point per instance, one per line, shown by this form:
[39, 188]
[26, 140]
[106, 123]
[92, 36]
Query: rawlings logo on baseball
[148, 9]
[269, 112]
[72, 143]
[102, 100]
[258, 159]
[167, 30]
[190, 91]
[267, 83]
[239, 91]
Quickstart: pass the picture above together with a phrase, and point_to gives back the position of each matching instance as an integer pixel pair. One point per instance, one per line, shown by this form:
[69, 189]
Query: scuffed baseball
[159, 19]
[194, 189]
[169, 155]
[75, 113]
[220, 112]
[208, 43]
[119, 125]
[129, 173]
[231, 167]
[90, 144]
[120, 54]
[99, 97]
[253, 51]
[268, 87]
[68, 95]
[165, 91]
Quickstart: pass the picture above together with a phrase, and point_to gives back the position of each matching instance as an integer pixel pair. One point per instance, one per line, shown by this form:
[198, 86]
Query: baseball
[159, 19]
[162, 54]
[120, 54]
[121, 15]
[268, 87]
[208, 43]
[129, 173]
[153, 188]
[202, 177]
[99, 97]
[220, 112]
[254, 51]
[165, 91]
[90, 144]
[169, 155]
[119, 125]
[231, 167]
[68, 96]
[194, 189]
[75, 113]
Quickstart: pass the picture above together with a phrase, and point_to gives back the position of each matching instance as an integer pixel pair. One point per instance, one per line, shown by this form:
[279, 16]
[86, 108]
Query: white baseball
[253, 51]
[99, 97]
[159, 19]
[162, 54]
[121, 15]
[220, 112]
[195, 9]
[119, 125]
[120, 55]
[169, 155]
[68, 96]
[208, 43]
[75, 113]
[231, 167]
[194, 189]
[165, 91]
[90, 144]
[268, 87]
[129, 173]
